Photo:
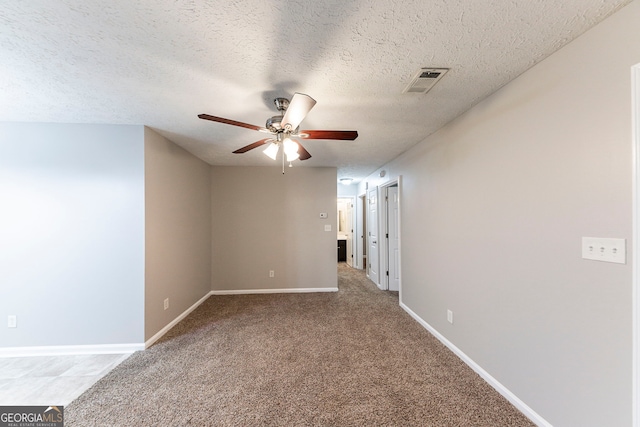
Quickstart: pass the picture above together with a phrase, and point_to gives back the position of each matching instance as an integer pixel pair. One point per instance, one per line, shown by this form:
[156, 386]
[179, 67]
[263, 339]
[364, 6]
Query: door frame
[635, 119]
[383, 256]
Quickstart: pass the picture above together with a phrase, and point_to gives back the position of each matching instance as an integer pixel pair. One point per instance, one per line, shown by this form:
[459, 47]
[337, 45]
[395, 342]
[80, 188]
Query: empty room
[321, 213]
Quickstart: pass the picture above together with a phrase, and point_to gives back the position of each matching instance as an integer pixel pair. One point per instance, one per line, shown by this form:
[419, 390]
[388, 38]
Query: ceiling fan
[286, 126]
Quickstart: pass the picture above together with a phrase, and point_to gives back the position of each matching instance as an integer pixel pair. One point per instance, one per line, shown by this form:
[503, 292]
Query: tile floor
[51, 380]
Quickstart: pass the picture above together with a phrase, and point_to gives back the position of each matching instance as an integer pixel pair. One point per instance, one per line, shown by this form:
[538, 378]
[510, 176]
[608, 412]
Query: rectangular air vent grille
[425, 79]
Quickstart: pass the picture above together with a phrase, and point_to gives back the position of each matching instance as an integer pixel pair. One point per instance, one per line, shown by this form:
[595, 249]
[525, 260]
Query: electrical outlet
[272, 273]
[12, 321]
[166, 303]
[450, 316]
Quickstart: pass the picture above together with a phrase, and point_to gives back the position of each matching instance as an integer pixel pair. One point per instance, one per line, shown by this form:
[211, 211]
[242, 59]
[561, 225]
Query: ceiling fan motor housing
[273, 124]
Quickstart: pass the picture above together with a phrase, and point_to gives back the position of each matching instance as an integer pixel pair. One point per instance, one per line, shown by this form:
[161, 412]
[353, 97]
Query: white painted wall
[71, 234]
[178, 231]
[494, 206]
[264, 220]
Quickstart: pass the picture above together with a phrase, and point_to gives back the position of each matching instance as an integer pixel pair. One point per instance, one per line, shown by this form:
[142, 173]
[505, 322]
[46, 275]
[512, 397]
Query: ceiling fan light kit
[284, 127]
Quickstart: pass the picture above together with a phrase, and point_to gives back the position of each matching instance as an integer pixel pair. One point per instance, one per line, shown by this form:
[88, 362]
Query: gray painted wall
[71, 233]
[264, 220]
[494, 207]
[178, 230]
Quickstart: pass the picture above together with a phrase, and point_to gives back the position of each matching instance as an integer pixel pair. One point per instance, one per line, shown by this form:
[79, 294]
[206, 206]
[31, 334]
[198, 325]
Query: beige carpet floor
[349, 358]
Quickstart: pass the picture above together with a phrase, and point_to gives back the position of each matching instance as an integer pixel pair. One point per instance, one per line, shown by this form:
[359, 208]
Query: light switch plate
[604, 249]
[327, 227]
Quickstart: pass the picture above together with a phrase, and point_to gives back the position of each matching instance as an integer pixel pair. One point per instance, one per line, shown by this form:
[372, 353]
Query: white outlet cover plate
[327, 227]
[604, 249]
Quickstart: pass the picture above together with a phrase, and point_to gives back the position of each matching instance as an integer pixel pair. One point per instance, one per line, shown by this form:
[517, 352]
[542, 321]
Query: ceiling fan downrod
[281, 104]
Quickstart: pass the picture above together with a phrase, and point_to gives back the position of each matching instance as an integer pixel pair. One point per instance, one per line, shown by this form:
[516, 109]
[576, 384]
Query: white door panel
[350, 233]
[372, 238]
[393, 242]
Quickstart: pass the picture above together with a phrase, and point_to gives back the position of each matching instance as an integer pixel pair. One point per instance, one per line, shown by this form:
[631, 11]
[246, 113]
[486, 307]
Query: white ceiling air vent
[424, 80]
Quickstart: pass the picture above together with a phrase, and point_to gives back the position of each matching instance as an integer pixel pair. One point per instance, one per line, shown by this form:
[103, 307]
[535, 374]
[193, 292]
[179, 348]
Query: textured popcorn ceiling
[161, 63]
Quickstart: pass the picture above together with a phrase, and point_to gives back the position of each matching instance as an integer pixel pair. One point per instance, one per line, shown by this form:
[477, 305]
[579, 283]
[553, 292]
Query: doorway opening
[383, 235]
[390, 253]
[346, 230]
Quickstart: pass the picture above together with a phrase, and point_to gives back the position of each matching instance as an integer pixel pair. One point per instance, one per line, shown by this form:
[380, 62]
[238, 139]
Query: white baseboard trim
[174, 322]
[65, 350]
[515, 401]
[273, 291]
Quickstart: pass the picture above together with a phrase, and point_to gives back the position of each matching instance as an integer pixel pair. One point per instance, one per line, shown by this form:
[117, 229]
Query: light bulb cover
[291, 149]
[272, 150]
[290, 146]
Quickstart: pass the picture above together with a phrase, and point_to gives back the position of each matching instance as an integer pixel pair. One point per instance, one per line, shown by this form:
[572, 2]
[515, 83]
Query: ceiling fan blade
[229, 122]
[346, 135]
[298, 109]
[304, 154]
[252, 146]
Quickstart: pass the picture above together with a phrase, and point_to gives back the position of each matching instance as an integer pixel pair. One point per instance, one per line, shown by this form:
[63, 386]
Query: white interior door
[393, 240]
[349, 233]
[372, 238]
[361, 249]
